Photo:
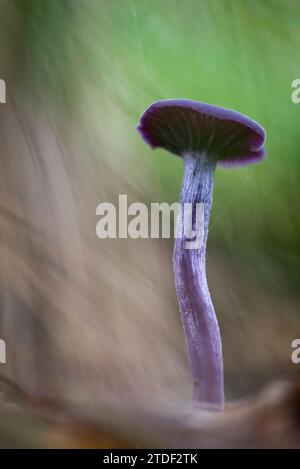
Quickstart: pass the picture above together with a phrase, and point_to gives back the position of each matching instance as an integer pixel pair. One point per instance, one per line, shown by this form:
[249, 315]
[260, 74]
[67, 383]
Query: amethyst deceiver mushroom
[204, 136]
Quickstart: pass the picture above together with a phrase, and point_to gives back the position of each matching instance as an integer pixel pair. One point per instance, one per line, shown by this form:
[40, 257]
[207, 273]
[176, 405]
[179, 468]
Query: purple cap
[183, 126]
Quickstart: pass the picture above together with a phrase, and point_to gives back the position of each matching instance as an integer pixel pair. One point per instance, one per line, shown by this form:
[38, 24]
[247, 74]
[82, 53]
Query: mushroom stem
[197, 311]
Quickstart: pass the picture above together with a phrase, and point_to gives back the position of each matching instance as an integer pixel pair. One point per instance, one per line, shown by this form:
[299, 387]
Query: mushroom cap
[183, 126]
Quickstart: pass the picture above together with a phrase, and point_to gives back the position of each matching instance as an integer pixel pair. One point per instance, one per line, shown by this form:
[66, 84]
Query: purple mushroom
[204, 136]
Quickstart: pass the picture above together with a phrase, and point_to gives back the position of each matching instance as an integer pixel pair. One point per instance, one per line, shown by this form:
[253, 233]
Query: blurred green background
[99, 63]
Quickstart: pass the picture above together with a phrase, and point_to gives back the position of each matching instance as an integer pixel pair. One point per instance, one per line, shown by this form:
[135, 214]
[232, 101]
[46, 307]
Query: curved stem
[197, 311]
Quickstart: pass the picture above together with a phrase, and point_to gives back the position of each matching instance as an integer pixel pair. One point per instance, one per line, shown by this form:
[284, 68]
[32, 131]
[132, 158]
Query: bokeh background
[85, 318]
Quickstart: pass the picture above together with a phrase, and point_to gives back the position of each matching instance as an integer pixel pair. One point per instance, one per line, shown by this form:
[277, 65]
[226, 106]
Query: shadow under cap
[183, 126]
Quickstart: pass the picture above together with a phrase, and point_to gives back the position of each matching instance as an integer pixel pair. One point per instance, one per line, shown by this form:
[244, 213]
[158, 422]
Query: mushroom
[204, 136]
